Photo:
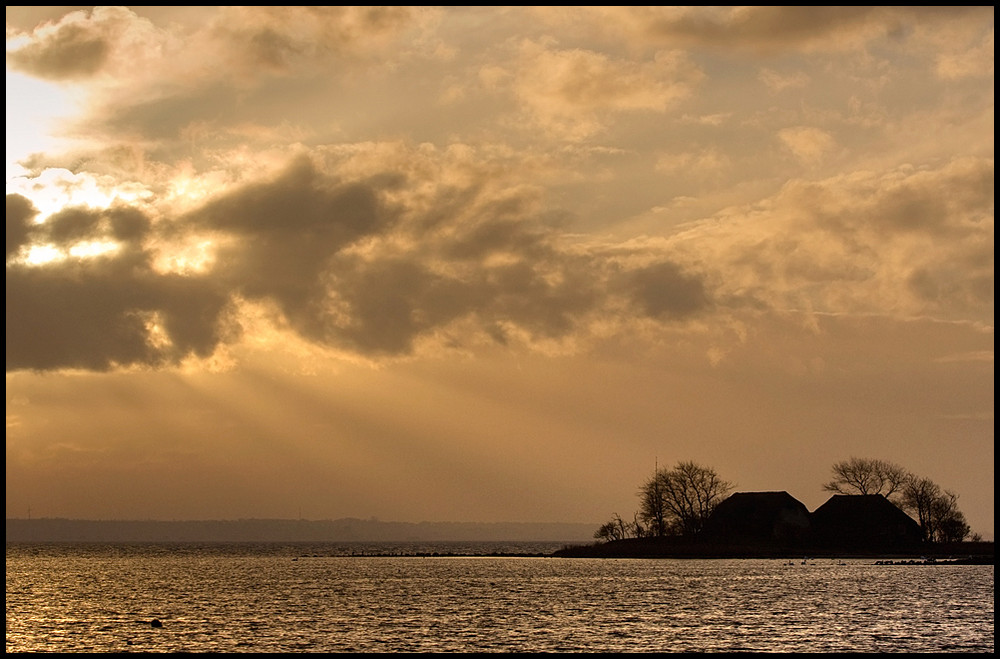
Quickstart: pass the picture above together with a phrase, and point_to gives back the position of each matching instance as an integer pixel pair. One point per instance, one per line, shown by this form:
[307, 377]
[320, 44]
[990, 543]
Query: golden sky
[492, 264]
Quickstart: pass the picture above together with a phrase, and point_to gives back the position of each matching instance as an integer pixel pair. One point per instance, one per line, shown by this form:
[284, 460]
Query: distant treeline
[287, 530]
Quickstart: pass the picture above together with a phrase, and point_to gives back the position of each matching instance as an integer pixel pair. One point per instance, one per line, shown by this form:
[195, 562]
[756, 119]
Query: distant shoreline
[574, 540]
[291, 530]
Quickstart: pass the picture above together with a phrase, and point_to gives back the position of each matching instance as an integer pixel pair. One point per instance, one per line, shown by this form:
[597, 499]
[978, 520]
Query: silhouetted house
[773, 519]
[863, 521]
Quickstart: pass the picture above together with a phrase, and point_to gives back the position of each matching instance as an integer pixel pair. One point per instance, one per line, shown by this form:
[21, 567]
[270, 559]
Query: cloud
[280, 38]
[904, 243]
[367, 265]
[72, 48]
[707, 162]
[973, 61]
[226, 44]
[19, 220]
[663, 290]
[774, 30]
[276, 236]
[109, 311]
[83, 44]
[213, 76]
[451, 235]
[571, 93]
[778, 82]
[771, 28]
[379, 265]
[808, 144]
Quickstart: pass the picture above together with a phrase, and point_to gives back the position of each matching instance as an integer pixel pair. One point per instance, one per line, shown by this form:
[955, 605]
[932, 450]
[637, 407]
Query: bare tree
[618, 529]
[607, 532]
[640, 530]
[936, 510]
[918, 497]
[868, 476]
[652, 506]
[679, 500]
[947, 521]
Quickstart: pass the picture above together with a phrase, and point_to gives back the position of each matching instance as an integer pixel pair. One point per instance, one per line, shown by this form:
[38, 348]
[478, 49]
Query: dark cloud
[772, 28]
[293, 234]
[285, 232]
[664, 291]
[764, 26]
[118, 310]
[939, 204]
[382, 307]
[71, 50]
[109, 311]
[168, 117]
[127, 224]
[272, 48]
[964, 282]
[547, 299]
[100, 313]
[20, 212]
[501, 235]
[71, 225]
[346, 269]
[301, 202]
[288, 39]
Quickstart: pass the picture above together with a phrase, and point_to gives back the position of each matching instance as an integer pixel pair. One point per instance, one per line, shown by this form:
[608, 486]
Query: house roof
[861, 506]
[741, 501]
[759, 514]
[863, 517]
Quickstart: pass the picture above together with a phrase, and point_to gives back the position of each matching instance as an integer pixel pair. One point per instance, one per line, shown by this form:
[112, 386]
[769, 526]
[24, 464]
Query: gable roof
[758, 503]
[863, 519]
[774, 516]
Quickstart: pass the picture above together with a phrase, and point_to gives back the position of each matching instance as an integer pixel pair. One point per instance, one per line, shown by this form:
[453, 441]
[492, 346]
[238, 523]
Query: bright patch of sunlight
[92, 248]
[38, 255]
[42, 254]
[55, 189]
[156, 333]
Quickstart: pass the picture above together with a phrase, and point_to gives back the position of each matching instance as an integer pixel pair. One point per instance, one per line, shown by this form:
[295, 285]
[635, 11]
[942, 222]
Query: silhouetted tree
[653, 507]
[947, 521]
[607, 532]
[679, 500]
[868, 476]
[618, 529]
[640, 530]
[918, 497]
[936, 510]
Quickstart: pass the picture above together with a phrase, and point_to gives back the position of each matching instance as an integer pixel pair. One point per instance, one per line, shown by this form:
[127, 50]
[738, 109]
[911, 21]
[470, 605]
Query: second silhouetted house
[863, 521]
[771, 521]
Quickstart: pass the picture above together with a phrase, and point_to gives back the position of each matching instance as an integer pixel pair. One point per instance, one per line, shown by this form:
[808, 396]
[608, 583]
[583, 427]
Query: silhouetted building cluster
[774, 524]
[778, 520]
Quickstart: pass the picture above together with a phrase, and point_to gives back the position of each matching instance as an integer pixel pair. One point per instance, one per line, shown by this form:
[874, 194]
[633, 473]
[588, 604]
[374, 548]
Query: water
[340, 598]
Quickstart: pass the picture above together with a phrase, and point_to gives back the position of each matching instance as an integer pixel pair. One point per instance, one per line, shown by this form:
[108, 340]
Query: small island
[688, 512]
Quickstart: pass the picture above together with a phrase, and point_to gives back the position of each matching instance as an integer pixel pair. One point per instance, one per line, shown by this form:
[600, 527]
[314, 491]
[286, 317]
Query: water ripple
[213, 601]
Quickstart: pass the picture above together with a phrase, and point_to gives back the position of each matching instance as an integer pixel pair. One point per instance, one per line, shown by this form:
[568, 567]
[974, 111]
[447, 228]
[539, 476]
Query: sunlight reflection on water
[322, 599]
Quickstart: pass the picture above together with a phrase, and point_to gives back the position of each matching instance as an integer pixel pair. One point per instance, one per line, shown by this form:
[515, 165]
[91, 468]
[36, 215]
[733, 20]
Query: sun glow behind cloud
[55, 188]
[34, 110]
[41, 254]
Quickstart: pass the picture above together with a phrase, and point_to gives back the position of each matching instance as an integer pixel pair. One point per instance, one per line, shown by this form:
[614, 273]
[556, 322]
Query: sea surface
[478, 597]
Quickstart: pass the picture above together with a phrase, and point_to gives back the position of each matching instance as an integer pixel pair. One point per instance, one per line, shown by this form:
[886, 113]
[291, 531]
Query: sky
[492, 263]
